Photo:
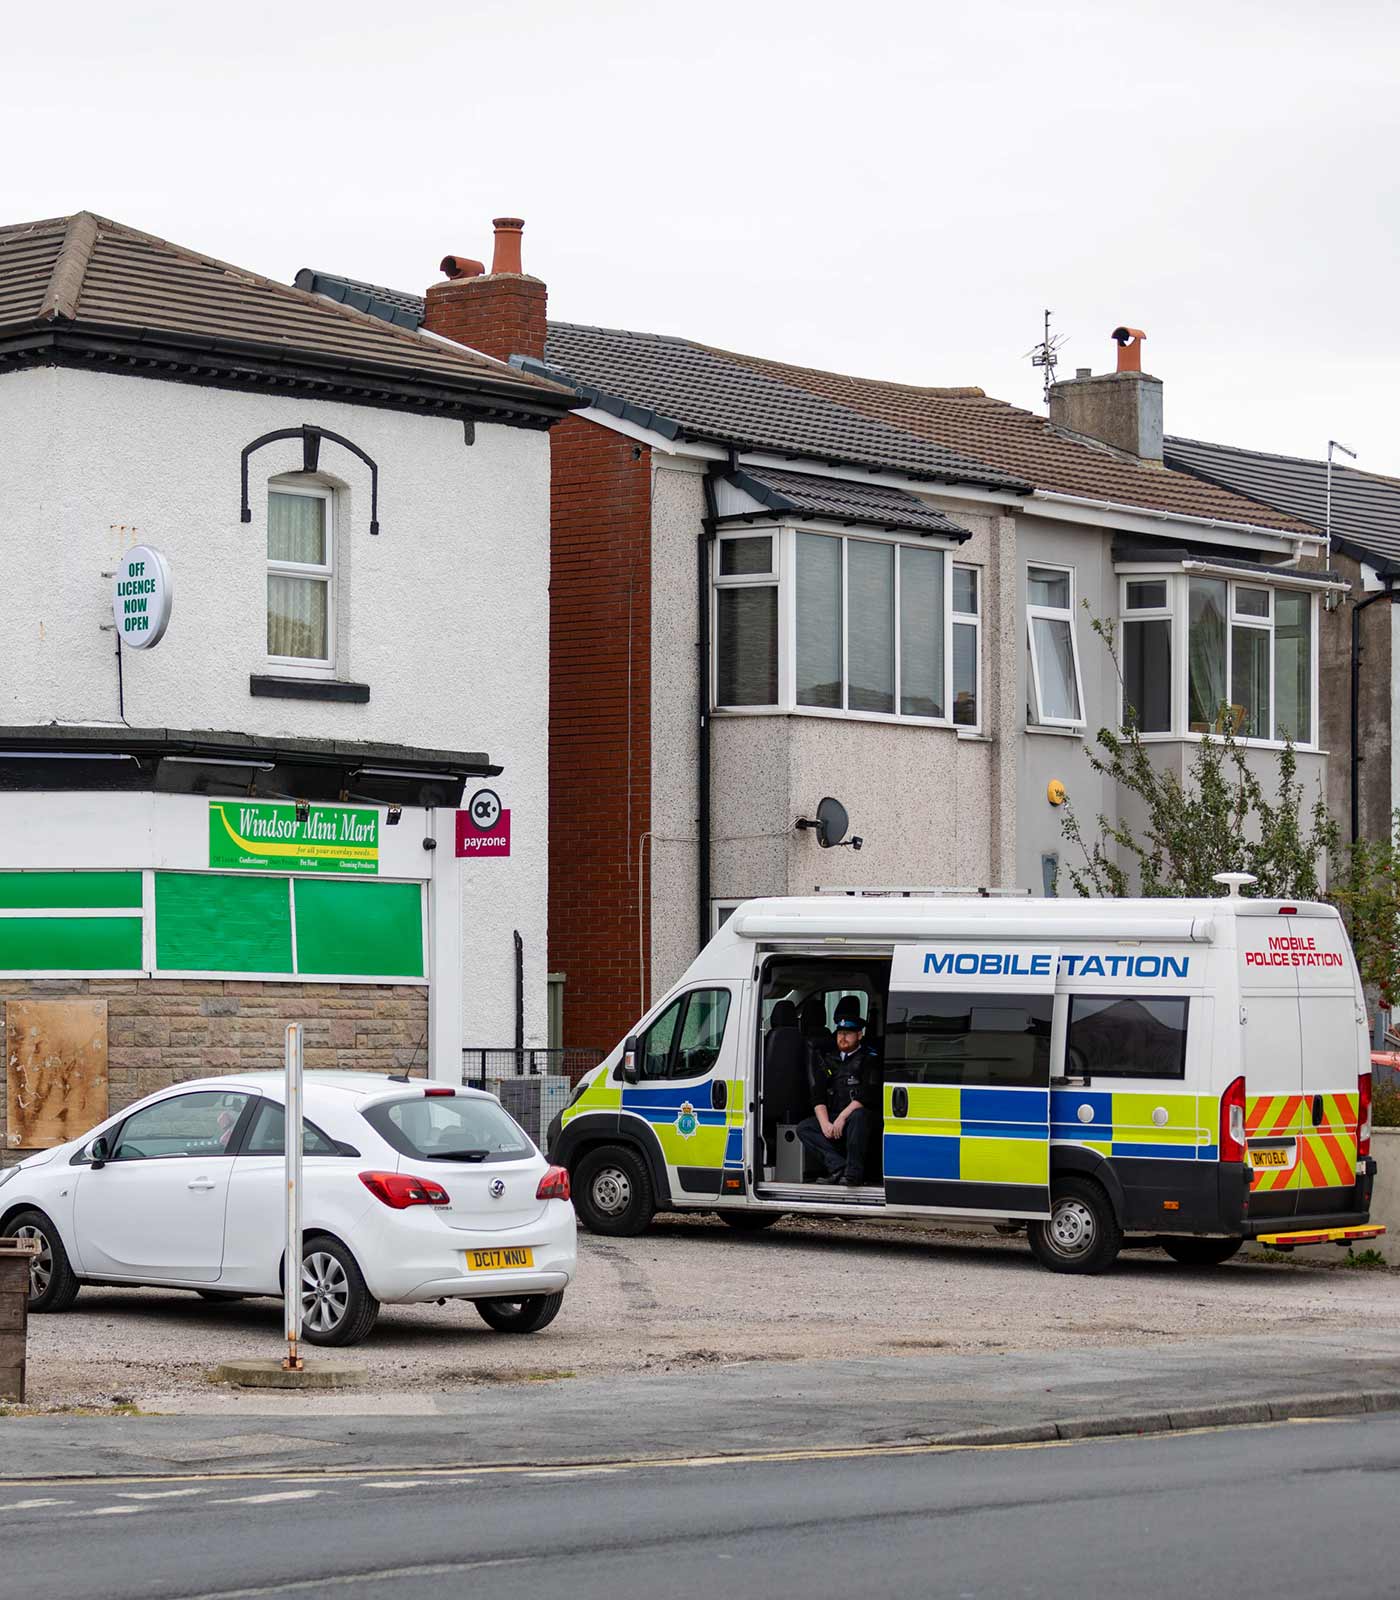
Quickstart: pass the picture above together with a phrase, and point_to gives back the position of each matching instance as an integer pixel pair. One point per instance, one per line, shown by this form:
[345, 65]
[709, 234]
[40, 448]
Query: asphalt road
[1311, 1505]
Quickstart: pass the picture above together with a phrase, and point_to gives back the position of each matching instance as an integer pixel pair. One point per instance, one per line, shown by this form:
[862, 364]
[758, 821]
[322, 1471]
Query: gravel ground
[689, 1293]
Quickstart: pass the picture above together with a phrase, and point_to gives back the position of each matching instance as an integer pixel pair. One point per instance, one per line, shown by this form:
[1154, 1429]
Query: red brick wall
[599, 726]
[502, 315]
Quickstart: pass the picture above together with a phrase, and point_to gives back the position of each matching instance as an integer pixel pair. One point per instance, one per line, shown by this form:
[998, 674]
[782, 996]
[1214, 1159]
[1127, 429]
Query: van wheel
[1082, 1234]
[1201, 1252]
[612, 1191]
[750, 1221]
[52, 1283]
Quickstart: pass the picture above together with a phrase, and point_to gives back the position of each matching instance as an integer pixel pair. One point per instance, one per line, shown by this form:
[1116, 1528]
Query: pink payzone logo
[483, 826]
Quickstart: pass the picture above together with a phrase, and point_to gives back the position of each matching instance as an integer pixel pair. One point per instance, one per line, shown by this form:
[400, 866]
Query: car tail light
[1363, 1114]
[399, 1191]
[554, 1185]
[1232, 1122]
[434, 1094]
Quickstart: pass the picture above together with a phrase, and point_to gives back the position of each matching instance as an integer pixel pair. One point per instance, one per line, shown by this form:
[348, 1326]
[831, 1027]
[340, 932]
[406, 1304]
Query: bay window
[1249, 657]
[845, 624]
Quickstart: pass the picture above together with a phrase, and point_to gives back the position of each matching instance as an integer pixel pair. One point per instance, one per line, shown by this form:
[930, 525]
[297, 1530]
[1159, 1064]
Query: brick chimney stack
[500, 313]
[1122, 408]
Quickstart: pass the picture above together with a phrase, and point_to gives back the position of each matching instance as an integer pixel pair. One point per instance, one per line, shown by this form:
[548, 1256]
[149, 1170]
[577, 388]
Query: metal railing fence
[480, 1063]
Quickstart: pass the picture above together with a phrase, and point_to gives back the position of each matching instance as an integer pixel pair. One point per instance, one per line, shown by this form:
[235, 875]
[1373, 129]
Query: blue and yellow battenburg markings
[972, 1135]
[1125, 1124]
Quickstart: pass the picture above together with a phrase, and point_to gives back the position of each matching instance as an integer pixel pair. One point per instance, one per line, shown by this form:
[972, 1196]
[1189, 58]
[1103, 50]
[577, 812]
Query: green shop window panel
[70, 944]
[219, 922]
[70, 891]
[372, 930]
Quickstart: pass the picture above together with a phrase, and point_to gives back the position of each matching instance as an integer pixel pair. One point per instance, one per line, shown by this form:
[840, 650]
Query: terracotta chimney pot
[1129, 348]
[461, 267]
[507, 254]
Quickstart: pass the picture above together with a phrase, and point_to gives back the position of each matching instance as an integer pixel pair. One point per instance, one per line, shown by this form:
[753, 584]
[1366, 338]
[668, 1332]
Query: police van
[1193, 1073]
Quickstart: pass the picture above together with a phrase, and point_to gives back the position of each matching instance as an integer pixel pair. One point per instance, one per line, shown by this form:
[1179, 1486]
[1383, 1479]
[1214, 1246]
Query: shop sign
[141, 596]
[261, 836]
[483, 827]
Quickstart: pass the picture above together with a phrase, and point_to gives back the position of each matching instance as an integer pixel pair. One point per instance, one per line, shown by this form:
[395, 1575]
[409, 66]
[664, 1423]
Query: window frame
[683, 1001]
[1114, 997]
[1053, 614]
[784, 577]
[230, 1148]
[965, 619]
[305, 666]
[1166, 612]
[1178, 580]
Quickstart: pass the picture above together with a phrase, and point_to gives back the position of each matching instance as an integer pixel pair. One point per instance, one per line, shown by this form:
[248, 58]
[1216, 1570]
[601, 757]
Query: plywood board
[56, 1070]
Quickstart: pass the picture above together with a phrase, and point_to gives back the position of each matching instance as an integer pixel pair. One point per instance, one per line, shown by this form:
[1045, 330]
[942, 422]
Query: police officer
[843, 1083]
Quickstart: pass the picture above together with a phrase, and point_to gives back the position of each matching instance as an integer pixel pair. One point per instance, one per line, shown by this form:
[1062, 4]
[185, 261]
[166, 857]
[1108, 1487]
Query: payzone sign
[483, 826]
[259, 836]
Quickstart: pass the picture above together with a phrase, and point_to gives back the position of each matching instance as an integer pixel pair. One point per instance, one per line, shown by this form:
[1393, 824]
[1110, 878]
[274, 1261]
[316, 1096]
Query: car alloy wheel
[40, 1266]
[325, 1292]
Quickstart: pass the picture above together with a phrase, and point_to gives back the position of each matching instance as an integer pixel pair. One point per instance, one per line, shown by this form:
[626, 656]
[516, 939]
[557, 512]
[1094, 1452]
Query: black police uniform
[834, 1082]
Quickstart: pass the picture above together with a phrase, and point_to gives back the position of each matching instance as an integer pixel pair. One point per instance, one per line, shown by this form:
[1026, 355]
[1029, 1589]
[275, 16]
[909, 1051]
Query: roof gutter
[1050, 497]
[1279, 577]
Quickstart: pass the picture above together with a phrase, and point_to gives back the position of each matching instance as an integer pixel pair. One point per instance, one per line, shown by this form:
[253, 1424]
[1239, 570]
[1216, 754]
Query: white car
[412, 1191]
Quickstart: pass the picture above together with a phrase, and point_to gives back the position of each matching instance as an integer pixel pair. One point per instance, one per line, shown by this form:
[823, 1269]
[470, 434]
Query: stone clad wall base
[164, 1031]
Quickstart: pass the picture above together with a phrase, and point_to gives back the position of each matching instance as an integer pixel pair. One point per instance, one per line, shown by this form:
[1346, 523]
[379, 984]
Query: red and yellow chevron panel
[1325, 1154]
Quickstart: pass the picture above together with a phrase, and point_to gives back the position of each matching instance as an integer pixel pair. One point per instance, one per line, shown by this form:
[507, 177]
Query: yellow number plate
[500, 1260]
[1271, 1158]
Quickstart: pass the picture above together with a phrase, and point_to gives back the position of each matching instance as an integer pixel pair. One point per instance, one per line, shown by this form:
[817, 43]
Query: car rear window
[449, 1128]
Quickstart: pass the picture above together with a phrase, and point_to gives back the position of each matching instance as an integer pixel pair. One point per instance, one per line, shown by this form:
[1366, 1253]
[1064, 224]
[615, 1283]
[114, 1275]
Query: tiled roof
[85, 271]
[871, 505]
[1023, 444]
[1365, 507]
[679, 387]
[710, 395]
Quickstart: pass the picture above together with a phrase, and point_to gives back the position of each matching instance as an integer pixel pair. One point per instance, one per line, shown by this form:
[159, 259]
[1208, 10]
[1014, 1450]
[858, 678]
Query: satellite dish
[832, 822]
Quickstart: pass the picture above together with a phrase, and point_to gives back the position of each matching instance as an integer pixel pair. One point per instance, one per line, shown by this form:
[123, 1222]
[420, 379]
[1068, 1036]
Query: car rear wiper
[459, 1155]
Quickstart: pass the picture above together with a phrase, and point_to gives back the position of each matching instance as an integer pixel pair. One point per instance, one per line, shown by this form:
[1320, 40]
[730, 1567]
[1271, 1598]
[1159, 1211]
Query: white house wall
[445, 615]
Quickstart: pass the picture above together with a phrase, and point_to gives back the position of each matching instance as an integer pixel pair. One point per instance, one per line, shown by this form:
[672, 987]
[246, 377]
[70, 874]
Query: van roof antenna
[1235, 881]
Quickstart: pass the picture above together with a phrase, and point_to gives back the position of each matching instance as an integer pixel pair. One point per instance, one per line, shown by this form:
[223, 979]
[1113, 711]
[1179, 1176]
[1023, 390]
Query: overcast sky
[892, 190]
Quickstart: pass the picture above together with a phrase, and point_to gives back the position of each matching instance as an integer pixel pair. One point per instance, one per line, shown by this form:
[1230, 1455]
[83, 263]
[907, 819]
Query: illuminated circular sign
[141, 596]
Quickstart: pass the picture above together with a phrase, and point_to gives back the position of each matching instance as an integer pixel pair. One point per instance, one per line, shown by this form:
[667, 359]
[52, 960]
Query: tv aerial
[1046, 354]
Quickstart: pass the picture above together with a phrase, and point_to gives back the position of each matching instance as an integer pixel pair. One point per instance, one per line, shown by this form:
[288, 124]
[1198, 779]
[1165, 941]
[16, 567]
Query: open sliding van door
[967, 1078]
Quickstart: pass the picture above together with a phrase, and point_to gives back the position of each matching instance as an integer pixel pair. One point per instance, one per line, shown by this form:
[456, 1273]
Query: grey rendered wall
[1046, 755]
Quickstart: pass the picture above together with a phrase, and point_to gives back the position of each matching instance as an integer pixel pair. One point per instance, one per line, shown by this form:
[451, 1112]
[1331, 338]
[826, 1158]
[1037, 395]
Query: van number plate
[499, 1260]
[1271, 1158]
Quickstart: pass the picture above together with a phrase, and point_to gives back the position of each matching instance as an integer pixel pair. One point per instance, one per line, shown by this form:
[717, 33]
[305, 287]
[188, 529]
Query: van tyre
[52, 1284]
[612, 1191]
[1082, 1234]
[527, 1315]
[1202, 1252]
[750, 1221]
[337, 1308]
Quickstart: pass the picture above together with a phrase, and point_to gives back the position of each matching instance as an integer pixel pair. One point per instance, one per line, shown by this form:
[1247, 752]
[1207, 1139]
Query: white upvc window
[967, 648]
[1205, 652]
[1055, 699]
[839, 624]
[301, 579]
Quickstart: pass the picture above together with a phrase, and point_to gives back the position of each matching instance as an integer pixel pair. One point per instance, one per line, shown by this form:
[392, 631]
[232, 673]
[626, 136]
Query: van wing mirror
[631, 1049]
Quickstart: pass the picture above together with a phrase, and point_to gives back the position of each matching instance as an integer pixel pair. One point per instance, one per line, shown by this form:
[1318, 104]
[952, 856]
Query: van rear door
[967, 1078]
[1335, 1051]
[1273, 1060]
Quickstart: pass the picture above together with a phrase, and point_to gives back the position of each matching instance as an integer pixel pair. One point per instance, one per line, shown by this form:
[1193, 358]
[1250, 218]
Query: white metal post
[291, 1285]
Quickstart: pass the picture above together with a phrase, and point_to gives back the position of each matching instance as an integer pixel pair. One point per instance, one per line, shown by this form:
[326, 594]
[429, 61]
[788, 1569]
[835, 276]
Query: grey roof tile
[871, 505]
[1365, 506]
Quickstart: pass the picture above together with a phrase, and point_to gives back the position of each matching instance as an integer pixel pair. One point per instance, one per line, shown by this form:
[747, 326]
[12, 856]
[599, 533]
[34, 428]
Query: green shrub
[1385, 1103]
[1365, 1259]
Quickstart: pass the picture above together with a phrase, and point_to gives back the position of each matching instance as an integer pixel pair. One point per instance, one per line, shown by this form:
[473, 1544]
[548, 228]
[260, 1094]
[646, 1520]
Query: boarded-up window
[56, 1070]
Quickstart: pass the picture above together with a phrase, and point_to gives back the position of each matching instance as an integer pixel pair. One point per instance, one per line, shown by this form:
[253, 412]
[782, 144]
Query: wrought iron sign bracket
[311, 438]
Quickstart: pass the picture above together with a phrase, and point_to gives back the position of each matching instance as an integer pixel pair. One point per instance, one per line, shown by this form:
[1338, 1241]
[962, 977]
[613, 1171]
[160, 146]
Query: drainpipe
[704, 562]
[1388, 593]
